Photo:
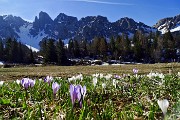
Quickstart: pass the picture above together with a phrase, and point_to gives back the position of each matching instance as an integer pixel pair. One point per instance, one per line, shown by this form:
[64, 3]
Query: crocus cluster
[152, 75]
[78, 93]
[74, 78]
[55, 87]
[27, 82]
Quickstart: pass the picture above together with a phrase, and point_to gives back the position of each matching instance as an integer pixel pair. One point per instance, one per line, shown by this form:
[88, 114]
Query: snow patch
[26, 38]
[175, 29]
[32, 48]
[1, 63]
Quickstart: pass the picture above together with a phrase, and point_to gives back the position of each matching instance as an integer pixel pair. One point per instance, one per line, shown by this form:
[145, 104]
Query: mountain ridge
[66, 27]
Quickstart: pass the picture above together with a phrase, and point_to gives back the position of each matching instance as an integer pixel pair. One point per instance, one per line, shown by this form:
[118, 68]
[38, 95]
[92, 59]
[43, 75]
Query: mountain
[169, 23]
[66, 27]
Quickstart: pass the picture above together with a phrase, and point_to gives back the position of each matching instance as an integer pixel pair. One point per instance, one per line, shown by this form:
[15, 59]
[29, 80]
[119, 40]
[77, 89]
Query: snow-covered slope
[66, 27]
[32, 48]
[26, 38]
[171, 24]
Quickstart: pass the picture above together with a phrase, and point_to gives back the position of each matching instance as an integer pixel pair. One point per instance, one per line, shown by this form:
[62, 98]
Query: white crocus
[161, 76]
[18, 81]
[179, 74]
[163, 104]
[94, 81]
[103, 85]
[1, 83]
[101, 75]
[108, 77]
[114, 82]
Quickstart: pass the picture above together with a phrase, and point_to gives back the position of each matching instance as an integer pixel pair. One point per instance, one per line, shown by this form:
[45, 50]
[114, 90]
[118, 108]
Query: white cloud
[102, 2]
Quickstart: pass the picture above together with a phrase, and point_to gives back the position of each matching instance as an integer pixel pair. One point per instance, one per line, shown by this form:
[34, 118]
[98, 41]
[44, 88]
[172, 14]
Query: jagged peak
[63, 17]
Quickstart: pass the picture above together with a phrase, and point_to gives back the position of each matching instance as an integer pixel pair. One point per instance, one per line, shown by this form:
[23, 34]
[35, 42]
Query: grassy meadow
[149, 92]
[67, 71]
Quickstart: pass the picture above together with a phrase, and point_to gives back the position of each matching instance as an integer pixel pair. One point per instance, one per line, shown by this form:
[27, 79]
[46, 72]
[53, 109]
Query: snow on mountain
[175, 29]
[171, 24]
[26, 38]
[66, 27]
[32, 48]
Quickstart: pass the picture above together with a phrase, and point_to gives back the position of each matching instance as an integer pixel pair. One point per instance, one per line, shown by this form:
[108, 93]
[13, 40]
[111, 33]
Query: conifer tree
[71, 48]
[76, 49]
[51, 55]
[61, 56]
[112, 47]
[8, 49]
[103, 48]
[1, 50]
[95, 46]
[31, 56]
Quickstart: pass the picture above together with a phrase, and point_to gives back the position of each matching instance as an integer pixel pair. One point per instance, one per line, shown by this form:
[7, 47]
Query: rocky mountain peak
[66, 27]
[63, 18]
[169, 23]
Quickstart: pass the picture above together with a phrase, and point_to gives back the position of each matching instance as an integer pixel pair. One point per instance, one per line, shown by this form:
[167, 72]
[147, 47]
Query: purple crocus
[77, 92]
[48, 79]
[135, 70]
[27, 82]
[55, 87]
[117, 77]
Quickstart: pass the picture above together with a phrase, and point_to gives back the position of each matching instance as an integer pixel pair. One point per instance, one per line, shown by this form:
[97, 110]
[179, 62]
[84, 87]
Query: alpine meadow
[89, 60]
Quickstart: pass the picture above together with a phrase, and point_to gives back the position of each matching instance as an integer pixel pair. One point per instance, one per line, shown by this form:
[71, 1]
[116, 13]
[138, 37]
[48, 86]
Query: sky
[146, 11]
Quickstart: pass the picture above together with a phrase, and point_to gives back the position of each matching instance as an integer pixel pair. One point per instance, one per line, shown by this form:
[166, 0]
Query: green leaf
[5, 101]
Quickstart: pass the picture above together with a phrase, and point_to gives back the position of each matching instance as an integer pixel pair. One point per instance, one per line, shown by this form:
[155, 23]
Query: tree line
[140, 48]
[145, 48]
[13, 51]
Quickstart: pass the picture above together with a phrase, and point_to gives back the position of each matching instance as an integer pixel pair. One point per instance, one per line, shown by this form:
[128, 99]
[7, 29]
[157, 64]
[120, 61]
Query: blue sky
[146, 11]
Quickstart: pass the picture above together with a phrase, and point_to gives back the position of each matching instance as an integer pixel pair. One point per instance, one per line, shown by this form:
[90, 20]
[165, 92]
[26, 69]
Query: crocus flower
[135, 70]
[77, 92]
[114, 82]
[117, 76]
[18, 81]
[94, 81]
[48, 79]
[1, 83]
[103, 85]
[55, 87]
[163, 104]
[178, 74]
[27, 82]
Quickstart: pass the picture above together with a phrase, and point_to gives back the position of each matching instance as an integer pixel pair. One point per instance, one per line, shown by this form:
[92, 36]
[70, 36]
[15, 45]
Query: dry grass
[67, 71]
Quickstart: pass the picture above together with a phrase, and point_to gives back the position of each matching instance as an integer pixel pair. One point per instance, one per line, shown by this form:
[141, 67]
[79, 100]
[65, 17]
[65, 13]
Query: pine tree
[169, 47]
[1, 50]
[14, 51]
[8, 49]
[51, 55]
[95, 47]
[61, 56]
[76, 49]
[43, 49]
[112, 47]
[83, 48]
[103, 48]
[31, 56]
[118, 48]
[20, 56]
[71, 48]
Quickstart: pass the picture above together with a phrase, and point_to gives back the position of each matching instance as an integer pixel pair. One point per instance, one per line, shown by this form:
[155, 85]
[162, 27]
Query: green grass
[134, 97]
[67, 71]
